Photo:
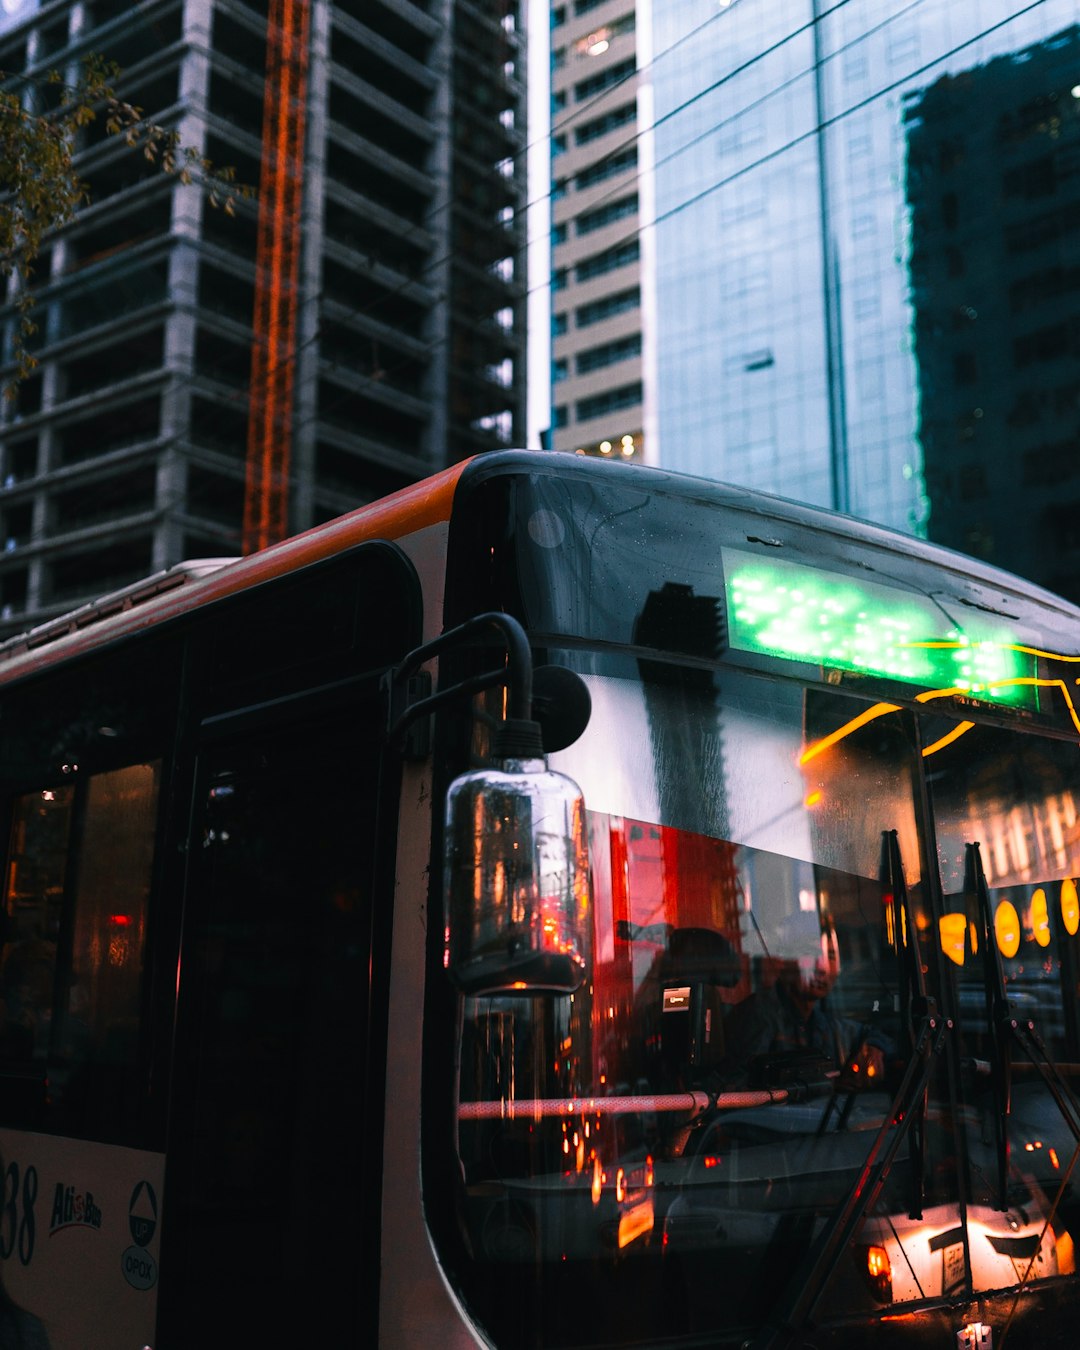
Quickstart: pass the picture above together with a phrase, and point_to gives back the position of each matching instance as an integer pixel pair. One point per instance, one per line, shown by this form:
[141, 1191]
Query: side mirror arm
[408, 687]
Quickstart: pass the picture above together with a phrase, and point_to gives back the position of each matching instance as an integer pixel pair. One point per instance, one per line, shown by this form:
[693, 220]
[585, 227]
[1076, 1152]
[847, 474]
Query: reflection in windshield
[1016, 798]
[747, 1086]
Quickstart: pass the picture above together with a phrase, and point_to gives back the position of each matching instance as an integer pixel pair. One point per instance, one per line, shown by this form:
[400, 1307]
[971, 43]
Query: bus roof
[188, 586]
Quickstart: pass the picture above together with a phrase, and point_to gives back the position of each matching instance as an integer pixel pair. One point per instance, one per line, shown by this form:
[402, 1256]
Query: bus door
[271, 1230]
[273, 1173]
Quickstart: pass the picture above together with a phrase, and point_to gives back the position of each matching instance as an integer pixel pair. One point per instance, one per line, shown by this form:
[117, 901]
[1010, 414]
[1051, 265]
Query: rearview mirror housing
[516, 876]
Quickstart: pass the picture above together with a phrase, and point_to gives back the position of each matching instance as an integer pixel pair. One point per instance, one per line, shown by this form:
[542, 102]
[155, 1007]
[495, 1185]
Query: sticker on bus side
[80, 1226]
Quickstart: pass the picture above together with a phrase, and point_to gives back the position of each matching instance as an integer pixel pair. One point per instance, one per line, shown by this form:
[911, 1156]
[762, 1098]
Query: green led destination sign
[802, 613]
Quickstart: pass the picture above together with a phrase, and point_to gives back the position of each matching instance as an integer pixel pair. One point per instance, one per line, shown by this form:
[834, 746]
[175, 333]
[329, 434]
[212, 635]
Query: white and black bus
[563, 904]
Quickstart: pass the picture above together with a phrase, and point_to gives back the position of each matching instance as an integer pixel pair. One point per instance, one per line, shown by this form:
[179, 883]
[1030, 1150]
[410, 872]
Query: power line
[803, 137]
[436, 343]
[441, 262]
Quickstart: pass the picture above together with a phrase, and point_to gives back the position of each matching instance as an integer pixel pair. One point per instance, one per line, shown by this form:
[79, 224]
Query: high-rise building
[207, 381]
[857, 259]
[596, 297]
[993, 185]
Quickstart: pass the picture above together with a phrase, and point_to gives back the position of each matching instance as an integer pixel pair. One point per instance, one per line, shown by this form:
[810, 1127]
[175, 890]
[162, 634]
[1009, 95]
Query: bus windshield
[787, 994]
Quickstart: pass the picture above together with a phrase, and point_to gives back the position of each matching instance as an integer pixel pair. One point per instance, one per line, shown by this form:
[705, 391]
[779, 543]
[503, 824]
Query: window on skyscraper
[620, 255]
[608, 354]
[605, 79]
[610, 121]
[608, 167]
[608, 306]
[611, 400]
[607, 214]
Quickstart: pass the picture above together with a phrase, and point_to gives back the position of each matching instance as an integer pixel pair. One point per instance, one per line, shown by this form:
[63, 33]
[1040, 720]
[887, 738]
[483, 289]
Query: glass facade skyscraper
[866, 286]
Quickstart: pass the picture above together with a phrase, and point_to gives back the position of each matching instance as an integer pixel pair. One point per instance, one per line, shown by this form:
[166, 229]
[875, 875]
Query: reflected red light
[711, 1160]
[120, 920]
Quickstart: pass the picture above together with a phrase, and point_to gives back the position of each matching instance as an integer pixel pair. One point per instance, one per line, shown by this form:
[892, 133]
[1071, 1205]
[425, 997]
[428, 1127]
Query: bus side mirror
[516, 874]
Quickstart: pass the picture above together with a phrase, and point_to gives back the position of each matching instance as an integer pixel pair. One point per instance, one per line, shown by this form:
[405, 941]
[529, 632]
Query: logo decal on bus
[139, 1267]
[142, 1223]
[73, 1209]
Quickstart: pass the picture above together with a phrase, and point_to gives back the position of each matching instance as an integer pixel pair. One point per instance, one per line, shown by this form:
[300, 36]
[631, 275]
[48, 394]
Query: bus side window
[33, 904]
[74, 921]
[95, 1046]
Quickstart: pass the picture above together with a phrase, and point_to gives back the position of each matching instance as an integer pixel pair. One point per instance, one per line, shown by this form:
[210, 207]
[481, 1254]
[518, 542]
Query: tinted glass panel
[683, 1130]
[1016, 797]
[81, 776]
[716, 577]
[271, 1148]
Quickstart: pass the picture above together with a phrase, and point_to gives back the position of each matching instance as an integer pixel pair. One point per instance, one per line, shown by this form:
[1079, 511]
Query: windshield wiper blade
[998, 1015]
[914, 1002]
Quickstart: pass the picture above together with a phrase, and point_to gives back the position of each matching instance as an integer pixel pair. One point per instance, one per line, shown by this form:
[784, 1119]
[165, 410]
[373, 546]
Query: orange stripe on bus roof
[393, 517]
[412, 508]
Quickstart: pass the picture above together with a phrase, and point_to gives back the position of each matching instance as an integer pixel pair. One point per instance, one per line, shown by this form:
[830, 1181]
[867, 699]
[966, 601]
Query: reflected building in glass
[993, 186]
[866, 288]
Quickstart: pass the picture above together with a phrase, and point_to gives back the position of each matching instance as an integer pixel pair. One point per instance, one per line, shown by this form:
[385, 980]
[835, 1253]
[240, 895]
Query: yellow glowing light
[948, 738]
[813, 798]
[827, 742]
[953, 931]
[877, 1262]
[636, 1223]
[1040, 918]
[1066, 1256]
[1070, 906]
[1007, 928]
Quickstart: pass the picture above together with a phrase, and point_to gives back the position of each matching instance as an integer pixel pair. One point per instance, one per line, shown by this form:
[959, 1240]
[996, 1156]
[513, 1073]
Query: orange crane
[277, 276]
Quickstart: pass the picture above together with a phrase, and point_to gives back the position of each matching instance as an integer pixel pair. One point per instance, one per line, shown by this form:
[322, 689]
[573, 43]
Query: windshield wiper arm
[867, 1188]
[924, 1035]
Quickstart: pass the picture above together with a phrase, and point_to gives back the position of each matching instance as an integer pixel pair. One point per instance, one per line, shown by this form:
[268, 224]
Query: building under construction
[208, 382]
